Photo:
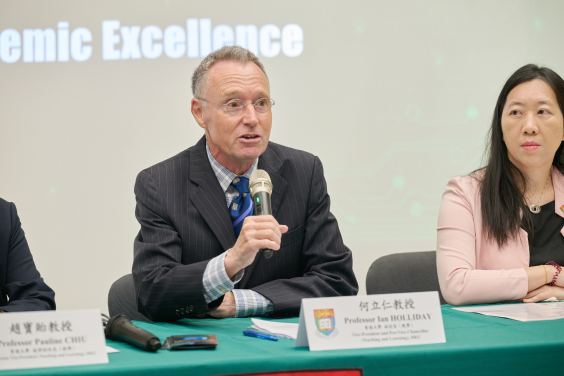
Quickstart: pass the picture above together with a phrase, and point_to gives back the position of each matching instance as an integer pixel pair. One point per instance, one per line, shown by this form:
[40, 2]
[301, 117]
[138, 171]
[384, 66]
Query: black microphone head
[120, 328]
[108, 330]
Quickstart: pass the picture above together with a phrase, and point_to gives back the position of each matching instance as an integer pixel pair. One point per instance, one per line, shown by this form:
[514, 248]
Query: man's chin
[251, 152]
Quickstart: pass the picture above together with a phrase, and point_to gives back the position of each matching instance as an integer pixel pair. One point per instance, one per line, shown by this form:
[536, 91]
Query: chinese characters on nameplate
[51, 339]
[351, 322]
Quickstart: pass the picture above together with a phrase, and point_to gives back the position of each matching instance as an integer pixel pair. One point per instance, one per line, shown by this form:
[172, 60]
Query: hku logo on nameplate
[51, 339]
[352, 322]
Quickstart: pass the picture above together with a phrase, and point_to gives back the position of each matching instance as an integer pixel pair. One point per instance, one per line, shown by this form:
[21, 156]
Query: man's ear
[196, 107]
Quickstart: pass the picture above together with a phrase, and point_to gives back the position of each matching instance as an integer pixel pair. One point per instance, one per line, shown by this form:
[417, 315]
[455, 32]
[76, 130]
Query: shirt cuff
[251, 303]
[216, 281]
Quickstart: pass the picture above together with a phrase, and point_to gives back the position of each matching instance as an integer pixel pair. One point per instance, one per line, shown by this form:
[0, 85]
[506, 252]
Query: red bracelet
[558, 270]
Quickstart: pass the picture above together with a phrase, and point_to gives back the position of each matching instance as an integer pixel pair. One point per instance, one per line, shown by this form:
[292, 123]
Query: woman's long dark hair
[503, 185]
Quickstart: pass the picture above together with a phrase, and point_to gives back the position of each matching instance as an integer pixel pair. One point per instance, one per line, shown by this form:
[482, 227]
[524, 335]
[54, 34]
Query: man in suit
[198, 250]
[21, 286]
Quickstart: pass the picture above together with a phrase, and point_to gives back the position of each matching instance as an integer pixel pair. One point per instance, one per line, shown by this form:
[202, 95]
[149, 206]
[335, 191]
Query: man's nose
[250, 115]
[530, 126]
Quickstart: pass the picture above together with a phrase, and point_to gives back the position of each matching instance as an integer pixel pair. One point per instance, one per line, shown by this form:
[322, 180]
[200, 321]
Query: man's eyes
[236, 103]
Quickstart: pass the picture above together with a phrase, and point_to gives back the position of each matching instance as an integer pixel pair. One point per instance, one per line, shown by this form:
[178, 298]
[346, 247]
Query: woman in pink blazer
[500, 234]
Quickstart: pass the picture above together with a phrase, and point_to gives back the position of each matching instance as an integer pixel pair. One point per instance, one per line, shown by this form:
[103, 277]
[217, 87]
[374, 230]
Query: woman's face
[532, 125]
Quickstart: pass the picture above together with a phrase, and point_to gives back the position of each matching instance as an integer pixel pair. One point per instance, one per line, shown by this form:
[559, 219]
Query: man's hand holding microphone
[259, 232]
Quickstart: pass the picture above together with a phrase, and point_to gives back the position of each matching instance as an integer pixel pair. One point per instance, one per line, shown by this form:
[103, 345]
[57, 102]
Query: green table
[475, 345]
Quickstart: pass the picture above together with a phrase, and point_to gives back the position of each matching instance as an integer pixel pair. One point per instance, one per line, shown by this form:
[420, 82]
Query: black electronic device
[191, 342]
[120, 328]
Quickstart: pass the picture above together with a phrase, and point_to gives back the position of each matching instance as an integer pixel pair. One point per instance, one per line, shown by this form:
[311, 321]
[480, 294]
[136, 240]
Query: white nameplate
[51, 339]
[352, 322]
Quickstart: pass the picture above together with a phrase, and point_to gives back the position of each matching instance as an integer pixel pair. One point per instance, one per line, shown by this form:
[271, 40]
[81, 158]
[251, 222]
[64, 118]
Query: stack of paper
[275, 328]
[521, 311]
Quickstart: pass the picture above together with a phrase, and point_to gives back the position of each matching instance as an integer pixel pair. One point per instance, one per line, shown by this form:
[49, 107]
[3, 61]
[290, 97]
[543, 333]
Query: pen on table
[251, 333]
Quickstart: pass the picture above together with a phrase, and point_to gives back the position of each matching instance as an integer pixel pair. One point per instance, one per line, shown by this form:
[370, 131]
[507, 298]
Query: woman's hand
[560, 280]
[543, 293]
[541, 275]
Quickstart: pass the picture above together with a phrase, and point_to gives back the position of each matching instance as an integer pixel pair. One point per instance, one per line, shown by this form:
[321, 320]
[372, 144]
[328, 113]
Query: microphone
[260, 187]
[120, 328]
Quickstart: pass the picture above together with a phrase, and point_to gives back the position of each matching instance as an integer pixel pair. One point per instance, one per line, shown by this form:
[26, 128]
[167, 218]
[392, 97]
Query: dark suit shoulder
[19, 279]
[4, 203]
[167, 163]
[5, 208]
[158, 186]
[291, 154]
[7, 212]
[289, 160]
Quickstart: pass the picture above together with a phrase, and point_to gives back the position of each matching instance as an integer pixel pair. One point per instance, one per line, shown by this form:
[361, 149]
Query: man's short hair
[227, 53]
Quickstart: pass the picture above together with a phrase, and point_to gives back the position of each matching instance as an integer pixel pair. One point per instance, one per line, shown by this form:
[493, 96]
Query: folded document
[521, 311]
[275, 328]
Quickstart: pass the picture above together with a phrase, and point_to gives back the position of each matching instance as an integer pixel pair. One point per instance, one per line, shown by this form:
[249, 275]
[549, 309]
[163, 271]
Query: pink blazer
[471, 269]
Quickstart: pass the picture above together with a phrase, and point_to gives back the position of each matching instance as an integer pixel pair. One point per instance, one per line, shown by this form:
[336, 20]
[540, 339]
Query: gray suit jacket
[185, 223]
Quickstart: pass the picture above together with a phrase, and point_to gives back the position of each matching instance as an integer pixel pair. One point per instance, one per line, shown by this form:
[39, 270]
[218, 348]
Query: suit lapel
[272, 164]
[209, 198]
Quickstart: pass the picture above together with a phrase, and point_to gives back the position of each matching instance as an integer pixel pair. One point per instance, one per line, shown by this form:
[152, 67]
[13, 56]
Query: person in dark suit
[198, 250]
[21, 285]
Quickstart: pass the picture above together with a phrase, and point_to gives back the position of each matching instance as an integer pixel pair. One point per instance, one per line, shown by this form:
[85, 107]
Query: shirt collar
[224, 176]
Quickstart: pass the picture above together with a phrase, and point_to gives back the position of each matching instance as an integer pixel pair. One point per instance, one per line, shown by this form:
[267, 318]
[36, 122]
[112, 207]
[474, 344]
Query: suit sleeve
[25, 288]
[166, 289]
[328, 262]
[460, 280]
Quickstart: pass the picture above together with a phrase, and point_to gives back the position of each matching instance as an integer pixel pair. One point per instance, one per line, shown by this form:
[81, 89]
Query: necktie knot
[241, 183]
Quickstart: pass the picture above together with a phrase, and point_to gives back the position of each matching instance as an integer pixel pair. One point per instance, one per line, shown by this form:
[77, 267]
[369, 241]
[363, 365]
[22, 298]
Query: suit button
[182, 310]
[177, 312]
[190, 308]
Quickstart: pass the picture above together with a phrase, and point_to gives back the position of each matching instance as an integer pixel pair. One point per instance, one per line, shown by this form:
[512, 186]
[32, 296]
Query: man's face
[235, 141]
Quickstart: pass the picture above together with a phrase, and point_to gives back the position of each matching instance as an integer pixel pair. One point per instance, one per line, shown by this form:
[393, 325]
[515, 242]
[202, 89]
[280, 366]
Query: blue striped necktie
[242, 206]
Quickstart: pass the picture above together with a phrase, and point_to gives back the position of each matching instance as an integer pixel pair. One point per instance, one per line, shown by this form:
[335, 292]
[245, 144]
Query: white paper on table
[111, 350]
[286, 330]
[521, 311]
